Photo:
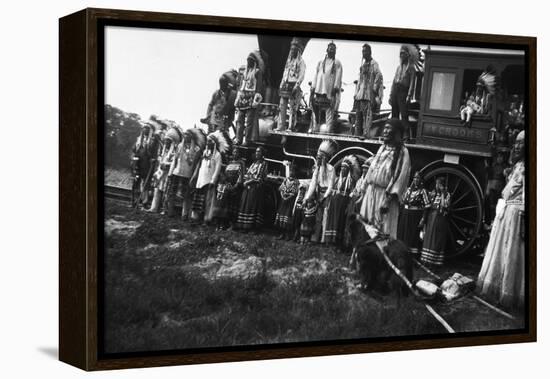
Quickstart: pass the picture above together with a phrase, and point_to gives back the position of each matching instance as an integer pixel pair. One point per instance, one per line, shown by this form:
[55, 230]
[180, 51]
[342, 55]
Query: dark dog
[376, 274]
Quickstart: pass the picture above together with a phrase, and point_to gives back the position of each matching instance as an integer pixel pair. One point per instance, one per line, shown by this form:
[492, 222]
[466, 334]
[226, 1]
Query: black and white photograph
[266, 190]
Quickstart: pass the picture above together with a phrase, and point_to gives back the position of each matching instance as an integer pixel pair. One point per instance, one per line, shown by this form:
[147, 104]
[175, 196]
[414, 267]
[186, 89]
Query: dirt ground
[171, 285]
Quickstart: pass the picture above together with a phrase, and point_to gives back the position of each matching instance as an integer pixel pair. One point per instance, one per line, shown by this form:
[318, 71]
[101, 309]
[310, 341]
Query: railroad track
[122, 194]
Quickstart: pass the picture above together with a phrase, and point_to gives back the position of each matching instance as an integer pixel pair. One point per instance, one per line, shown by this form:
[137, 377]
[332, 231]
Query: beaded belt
[514, 202]
[413, 208]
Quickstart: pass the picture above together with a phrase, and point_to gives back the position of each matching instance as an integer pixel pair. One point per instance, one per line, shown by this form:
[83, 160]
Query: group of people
[240, 94]
[326, 90]
[206, 176]
[204, 173]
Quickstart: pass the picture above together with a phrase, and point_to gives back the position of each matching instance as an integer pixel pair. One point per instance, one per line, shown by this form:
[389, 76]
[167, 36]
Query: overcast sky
[173, 73]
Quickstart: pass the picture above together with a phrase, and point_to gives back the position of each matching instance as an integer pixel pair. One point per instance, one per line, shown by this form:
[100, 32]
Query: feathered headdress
[352, 163]
[222, 141]
[414, 53]
[174, 134]
[199, 137]
[256, 55]
[488, 81]
[300, 43]
[328, 147]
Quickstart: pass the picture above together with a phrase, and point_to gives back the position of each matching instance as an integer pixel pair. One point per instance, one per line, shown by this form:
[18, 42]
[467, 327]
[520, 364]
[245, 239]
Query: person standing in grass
[416, 205]
[229, 190]
[354, 229]
[339, 199]
[251, 210]
[298, 211]
[437, 237]
[387, 180]
[321, 185]
[502, 275]
[207, 176]
[309, 221]
[183, 167]
[289, 191]
[170, 142]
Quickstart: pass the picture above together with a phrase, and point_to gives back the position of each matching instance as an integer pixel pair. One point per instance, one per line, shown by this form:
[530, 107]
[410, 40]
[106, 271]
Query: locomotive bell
[324, 129]
[265, 124]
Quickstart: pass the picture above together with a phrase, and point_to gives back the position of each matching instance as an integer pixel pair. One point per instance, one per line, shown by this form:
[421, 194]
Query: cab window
[442, 91]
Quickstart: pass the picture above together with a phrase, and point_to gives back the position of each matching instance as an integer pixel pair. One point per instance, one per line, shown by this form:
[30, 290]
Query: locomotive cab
[454, 79]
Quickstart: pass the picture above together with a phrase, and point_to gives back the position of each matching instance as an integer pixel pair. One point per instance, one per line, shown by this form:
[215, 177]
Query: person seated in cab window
[471, 106]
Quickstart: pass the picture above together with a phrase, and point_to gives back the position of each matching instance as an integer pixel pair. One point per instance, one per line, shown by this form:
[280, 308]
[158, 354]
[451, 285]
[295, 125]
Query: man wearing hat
[502, 275]
[248, 99]
[320, 187]
[221, 108]
[387, 180]
[326, 89]
[367, 92]
[289, 90]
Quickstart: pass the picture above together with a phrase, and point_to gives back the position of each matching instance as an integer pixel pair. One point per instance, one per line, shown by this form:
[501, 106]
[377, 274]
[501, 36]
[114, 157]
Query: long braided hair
[333, 68]
[397, 125]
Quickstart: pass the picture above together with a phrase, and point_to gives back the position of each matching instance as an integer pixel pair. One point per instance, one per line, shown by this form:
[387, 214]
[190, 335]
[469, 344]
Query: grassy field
[169, 285]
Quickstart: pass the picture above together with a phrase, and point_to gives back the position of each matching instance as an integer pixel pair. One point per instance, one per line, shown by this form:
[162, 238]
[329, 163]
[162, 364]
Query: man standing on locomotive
[248, 99]
[221, 109]
[289, 90]
[403, 85]
[366, 92]
[326, 89]
[387, 180]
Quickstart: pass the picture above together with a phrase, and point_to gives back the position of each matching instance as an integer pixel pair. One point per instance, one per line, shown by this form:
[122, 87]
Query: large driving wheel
[466, 213]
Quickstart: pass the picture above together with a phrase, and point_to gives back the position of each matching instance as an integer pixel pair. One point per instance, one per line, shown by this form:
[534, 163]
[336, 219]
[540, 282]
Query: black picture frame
[81, 103]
